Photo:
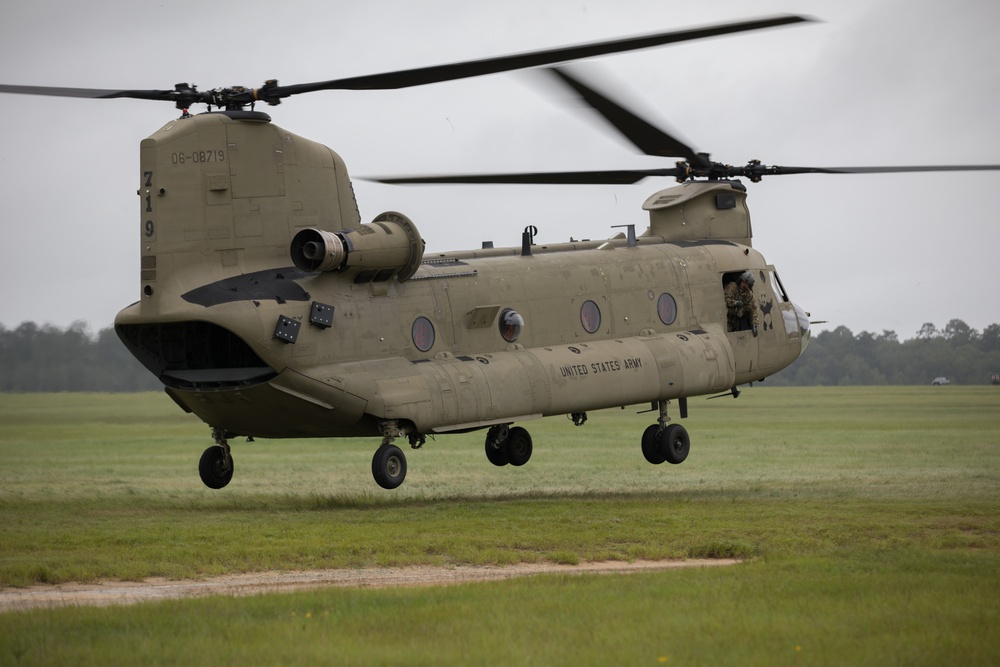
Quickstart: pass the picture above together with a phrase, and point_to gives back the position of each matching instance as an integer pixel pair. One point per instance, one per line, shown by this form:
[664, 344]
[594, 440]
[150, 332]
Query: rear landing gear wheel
[216, 467]
[650, 447]
[389, 466]
[496, 446]
[674, 443]
[518, 446]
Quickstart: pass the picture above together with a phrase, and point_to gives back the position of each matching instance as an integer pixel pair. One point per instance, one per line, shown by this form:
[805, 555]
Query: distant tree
[855, 370]
[928, 330]
[990, 339]
[959, 333]
[888, 337]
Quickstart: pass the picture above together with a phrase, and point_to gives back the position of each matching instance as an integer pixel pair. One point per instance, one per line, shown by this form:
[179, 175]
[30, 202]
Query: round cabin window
[666, 308]
[511, 325]
[423, 334]
[590, 316]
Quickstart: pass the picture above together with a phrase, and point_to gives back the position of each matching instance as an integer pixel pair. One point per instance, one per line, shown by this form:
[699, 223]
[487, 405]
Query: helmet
[747, 277]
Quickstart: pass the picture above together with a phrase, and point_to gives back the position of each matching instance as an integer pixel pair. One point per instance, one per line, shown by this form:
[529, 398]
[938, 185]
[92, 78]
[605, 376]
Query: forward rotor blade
[607, 177]
[682, 172]
[451, 72]
[91, 93]
[648, 138]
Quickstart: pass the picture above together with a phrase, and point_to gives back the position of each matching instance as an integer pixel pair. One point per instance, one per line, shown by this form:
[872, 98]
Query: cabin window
[590, 316]
[511, 325]
[423, 334]
[666, 308]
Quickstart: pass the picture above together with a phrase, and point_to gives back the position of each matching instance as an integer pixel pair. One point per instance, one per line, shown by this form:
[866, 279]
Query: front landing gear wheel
[216, 467]
[389, 466]
[674, 443]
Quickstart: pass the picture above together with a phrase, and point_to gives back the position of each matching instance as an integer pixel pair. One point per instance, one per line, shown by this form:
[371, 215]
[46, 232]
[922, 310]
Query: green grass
[795, 611]
[871, 518]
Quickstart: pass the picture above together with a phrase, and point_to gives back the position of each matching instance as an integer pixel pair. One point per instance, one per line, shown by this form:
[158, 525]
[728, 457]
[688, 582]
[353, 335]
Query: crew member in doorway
[741, 304]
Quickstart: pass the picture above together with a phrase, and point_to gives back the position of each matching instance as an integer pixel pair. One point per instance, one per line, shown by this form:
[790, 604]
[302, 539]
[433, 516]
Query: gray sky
[875, 83]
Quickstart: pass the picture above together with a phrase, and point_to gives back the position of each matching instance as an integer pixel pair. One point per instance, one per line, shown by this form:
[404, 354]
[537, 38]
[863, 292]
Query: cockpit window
[779, 289]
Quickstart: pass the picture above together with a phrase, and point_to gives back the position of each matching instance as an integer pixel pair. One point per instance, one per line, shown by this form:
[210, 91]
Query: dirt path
[125, 592]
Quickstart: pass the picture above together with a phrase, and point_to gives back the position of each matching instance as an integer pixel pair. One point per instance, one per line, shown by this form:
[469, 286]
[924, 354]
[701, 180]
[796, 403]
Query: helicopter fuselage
[269, 310]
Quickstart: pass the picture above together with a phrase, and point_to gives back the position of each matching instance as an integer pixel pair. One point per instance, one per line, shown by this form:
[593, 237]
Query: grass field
[869, 518]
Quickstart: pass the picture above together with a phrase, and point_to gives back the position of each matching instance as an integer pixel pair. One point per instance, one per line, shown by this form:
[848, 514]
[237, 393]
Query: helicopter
[268, 309]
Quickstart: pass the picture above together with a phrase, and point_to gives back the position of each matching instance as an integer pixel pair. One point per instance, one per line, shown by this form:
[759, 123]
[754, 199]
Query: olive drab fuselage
[268, 309]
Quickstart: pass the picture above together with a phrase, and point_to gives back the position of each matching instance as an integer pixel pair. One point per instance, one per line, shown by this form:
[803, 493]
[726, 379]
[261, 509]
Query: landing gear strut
[216, 465]
[665, 442]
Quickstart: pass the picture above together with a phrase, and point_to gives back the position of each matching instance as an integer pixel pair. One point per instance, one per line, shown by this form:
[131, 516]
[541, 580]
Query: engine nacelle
[375, 252]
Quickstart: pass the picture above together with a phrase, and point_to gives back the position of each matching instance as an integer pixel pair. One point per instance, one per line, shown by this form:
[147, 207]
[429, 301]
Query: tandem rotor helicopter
[269, 309]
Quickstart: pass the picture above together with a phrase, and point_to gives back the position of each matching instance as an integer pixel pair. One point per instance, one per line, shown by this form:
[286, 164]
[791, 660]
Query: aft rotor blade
[777, 171]
[648, 138]
[271, 93]
[463, 70]
[607, 177]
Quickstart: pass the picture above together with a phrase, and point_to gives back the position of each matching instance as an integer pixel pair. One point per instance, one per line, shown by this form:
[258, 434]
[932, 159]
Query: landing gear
[666, 442]
[508, 445]
[389, 463]
[650, 444]
[496, 439]
[674, 443]
[389, 466]
[518, 446]
[216, 465]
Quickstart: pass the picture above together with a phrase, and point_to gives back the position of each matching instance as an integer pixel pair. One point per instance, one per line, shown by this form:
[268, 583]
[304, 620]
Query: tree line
[957, 352]
[37, 358]
[47, 358]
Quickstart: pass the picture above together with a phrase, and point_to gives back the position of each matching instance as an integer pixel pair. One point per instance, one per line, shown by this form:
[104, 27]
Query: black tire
[498, 456]
[674, 443]
[215, 468]
[518, 446]
[389, 466]
[650, 446]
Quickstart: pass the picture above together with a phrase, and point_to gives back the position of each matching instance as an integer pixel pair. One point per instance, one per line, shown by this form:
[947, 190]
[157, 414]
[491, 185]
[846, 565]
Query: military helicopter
[269, 309]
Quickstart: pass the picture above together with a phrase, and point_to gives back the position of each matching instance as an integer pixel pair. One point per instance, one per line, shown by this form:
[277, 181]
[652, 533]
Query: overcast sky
[872, 83]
